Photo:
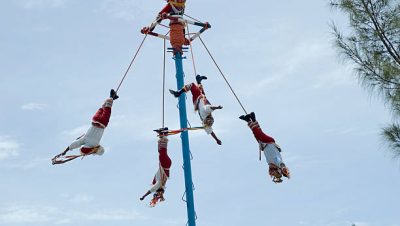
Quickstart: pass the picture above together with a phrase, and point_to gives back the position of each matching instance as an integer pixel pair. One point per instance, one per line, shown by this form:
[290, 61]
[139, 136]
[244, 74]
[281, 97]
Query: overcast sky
[59, 58]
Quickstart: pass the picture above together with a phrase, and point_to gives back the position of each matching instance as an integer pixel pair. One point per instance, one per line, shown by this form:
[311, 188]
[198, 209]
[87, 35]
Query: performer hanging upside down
[271, 150]
[162, 175]
[201, 104]
[90, 141]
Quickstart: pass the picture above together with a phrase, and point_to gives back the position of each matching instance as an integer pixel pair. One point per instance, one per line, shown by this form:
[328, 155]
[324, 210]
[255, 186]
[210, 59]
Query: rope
[192, 18]
[191, 51]
[183, 196]
[163, 92]
[130, 65]
[162, 25]
[220, 71]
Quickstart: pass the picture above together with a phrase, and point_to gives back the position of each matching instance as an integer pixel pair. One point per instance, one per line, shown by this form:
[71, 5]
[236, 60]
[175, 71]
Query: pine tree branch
[358, 59]
[386, 42]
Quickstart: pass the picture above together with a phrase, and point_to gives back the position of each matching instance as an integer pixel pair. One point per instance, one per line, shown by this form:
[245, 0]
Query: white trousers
[272, 155]
[91, 138]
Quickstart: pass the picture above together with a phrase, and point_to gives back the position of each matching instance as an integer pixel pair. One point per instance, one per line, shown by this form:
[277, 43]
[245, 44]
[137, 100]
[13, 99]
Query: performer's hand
[145, 30]
[187, 42]
[164, 16]
[144, 196]
[216, 107]
[63, 153]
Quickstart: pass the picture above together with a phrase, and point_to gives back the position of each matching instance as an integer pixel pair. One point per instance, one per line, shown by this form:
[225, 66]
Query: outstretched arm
[155, 187]
[216, 107]
[66, 150]
[144, 196]
[76, 144]
[216, 138]
[61, 154]
[54, 159]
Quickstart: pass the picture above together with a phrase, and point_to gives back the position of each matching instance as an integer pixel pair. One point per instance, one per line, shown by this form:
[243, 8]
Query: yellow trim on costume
[177, 4]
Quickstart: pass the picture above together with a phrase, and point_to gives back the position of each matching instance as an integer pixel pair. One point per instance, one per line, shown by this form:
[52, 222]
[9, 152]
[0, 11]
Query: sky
[60, 58]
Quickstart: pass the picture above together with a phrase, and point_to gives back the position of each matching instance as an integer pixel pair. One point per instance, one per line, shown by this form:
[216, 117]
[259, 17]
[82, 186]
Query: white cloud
[78, 198]
[37, 4]
[343, 211]
[361, 224]
[300, 62]
[33, 106]
[123, 9]
[348, 131]
[336, 77]
[82, 198]
[25, 214]
[63, 221]
[76, 132]
[8, 148]
[110, 215]
[353, 131]
[125, 123]
[175, 221]
[28, 164]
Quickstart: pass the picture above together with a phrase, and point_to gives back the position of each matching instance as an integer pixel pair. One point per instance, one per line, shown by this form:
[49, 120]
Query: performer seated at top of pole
[271, 150]
[90, 141]
[173, 8]
[162, 175]
[201, 104]
[174, 11]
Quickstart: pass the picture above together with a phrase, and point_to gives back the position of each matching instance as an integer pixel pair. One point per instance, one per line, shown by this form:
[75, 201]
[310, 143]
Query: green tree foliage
[374, 47]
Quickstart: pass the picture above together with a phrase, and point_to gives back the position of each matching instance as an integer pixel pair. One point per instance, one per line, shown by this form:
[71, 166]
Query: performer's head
[99, 150]
[277, 172]
[208, 121]
[285, 171]
[158, 196]
[160, 193]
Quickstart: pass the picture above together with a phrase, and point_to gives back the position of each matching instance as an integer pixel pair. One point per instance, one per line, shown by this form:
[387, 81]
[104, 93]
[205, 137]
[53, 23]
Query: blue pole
[185, 142]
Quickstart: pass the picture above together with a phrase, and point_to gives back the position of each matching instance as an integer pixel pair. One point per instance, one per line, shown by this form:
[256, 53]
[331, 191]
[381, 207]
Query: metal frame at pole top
[185, 142]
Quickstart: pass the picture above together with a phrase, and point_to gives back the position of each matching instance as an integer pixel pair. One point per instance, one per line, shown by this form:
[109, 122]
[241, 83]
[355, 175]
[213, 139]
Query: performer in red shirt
[173, 8]
[174, 11]
[90, 141]
[162, 174]
[271, 150]
[201, 105]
